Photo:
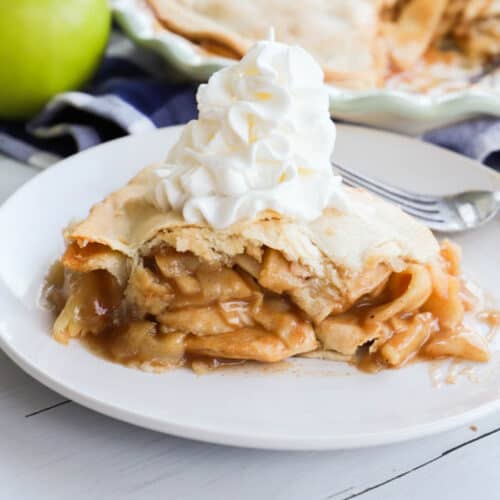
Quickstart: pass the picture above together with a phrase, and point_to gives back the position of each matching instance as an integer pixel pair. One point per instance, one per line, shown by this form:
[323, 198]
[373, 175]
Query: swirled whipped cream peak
[263, 141]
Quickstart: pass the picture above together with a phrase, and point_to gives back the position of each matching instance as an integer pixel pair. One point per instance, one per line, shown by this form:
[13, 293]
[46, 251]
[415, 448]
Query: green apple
[47, 47]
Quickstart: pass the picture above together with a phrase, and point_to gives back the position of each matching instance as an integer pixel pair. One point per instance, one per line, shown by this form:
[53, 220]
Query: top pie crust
[370, 232]
[360, 44]
[341, 34]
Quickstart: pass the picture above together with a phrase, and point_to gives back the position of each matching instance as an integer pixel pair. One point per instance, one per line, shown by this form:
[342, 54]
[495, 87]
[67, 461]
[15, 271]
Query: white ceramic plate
[405, 112]
[310, 405]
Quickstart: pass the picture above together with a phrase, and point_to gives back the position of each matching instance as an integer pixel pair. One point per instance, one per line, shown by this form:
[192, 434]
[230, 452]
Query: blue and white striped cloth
[133, 92]
[129, 94]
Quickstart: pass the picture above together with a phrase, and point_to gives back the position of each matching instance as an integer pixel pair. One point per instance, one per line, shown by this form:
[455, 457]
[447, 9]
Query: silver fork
[449, 213]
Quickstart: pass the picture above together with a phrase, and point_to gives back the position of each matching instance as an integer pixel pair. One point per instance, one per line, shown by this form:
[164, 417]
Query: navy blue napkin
[129, 94]
[133, 92]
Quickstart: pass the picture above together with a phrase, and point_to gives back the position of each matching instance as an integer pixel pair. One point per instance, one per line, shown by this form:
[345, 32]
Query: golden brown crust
[340, 34]
[88, 257]
[336, 248]
[411, 36]
[360, 44]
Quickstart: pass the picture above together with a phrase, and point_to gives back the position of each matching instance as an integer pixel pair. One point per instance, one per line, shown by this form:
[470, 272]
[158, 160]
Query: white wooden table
[53, 448]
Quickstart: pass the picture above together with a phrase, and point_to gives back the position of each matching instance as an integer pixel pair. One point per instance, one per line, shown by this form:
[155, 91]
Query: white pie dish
[311, 404]
[399, 111]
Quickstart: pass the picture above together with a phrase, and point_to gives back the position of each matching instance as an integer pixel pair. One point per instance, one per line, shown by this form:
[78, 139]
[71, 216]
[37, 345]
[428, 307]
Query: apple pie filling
[172, 308]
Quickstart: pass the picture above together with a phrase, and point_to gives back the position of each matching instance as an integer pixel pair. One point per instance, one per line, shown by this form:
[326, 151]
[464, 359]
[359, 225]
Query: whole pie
[415, 45]
[243, 245]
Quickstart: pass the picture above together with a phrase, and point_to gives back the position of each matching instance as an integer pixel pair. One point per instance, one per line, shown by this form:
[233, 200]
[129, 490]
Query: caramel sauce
[229, 318]
[490, 317]
[54, 292]
[203, 365]
[99, 345]
[103, 346]
[228, 302]
[369, 363]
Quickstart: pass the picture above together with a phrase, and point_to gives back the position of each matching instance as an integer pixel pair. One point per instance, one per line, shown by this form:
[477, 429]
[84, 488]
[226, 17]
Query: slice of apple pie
[243, 244]
[153, 290]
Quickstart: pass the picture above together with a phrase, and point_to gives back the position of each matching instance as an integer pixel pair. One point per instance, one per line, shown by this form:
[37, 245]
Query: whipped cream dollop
[263, 140]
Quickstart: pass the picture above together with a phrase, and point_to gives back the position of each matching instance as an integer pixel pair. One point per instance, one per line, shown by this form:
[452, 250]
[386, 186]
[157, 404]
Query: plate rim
[236, 438]
[253, 441]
